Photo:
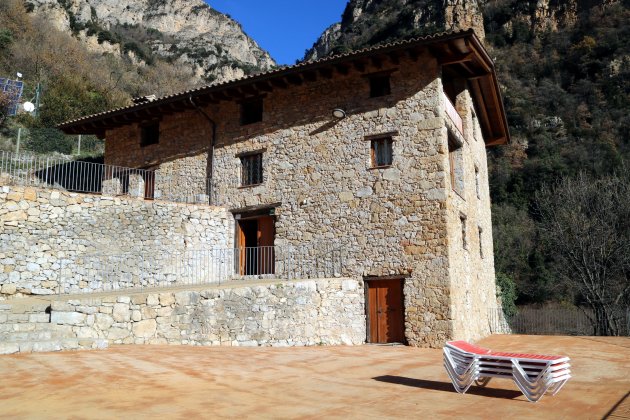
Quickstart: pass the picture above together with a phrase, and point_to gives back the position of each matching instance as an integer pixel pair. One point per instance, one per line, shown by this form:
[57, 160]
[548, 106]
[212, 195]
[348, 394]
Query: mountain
[190, 32]
[369, 22]
[564, 72]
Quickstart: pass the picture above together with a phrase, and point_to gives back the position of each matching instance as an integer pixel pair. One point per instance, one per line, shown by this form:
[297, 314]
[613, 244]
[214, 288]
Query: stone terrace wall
[328, 311]
[44, 235]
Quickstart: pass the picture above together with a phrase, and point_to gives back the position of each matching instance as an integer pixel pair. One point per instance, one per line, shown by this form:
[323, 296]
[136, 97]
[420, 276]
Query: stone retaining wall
[53, 239]
[313, 312]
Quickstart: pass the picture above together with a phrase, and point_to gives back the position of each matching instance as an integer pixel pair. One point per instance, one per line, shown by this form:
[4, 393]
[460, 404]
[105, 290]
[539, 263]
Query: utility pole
[19, 137]
[79, 147]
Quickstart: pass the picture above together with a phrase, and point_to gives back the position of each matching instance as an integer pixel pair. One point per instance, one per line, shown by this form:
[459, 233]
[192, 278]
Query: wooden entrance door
[256, 236]
[386, 316]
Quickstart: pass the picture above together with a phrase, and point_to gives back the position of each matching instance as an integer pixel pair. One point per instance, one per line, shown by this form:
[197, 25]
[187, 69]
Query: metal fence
[557, 321]
[97, 178]
[111, 272]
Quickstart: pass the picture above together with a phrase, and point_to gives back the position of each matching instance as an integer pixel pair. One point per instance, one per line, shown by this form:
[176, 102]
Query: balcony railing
[97, 178]
[453, 114]
[138, 270]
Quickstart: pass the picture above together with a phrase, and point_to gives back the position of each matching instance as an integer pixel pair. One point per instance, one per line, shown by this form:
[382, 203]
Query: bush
[506, 291]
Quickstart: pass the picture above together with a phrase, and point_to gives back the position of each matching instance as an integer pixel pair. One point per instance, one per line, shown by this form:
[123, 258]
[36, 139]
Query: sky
[285, 28]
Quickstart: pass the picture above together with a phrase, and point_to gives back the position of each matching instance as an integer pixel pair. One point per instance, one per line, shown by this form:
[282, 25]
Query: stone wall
[299, 313]
[53, 239]
[471, 267]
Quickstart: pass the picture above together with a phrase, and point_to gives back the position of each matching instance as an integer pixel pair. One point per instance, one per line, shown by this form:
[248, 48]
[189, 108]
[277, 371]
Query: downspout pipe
[212, 144]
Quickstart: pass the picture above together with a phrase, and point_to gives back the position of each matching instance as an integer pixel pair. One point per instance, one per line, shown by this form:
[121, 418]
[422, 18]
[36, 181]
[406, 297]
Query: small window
[252, 169]
[456, 163]
[477, 180]
[462, 219]
[149, 134]
[251, 111]
[379, 85]
[480, 241]
[382, 152]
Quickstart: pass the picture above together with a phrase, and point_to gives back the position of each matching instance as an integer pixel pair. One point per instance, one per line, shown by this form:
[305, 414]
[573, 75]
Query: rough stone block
[121, 312]
[145, 328]
[67, 318]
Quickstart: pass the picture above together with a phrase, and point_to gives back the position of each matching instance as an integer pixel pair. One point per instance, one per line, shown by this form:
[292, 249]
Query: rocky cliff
[184, 31]
[369, 22]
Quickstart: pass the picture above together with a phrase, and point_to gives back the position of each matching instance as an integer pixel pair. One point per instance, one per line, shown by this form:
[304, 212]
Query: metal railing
[451, 111]
[96, 178]
[556, 321]
[112, 272]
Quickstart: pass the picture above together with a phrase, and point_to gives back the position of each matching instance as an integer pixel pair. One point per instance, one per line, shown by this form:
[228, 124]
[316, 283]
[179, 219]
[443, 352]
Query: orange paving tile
[307, 382]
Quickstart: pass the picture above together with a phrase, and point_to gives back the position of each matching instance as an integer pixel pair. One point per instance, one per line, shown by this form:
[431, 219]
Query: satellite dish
[29, 107]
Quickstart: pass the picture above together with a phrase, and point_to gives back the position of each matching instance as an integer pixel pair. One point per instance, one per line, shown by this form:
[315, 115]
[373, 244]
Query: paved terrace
[312, 382]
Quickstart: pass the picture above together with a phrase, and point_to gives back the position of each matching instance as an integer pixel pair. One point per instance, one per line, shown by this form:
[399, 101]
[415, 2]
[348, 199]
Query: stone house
[380, 152]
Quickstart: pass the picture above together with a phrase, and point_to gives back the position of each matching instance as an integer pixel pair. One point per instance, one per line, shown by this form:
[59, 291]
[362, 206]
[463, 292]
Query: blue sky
[285, 28]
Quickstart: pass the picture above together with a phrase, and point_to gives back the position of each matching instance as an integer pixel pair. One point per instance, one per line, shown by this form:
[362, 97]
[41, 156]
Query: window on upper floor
[149, 133]
[456, 163]
[379, 85]
[251, 111]
[462, 220]
[477, 182]
[251, 169]
[480, 241]
[382, 151]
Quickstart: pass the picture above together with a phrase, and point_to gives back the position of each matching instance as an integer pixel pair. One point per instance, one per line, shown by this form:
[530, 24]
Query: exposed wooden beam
[264, 86]
[482, 109]
[279, 83]
[310, 76]
[294, 79]
[250, 90]
[456, 59]
[377, 62]
[359, 65]
[326, 73]
[342, 69]
[394, 57]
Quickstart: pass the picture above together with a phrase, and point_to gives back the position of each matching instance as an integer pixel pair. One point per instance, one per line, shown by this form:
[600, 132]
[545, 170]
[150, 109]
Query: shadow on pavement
[448, 387]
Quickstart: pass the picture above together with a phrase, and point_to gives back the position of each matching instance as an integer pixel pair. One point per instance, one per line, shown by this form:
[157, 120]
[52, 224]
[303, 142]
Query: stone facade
[401, 220]
[53, 239]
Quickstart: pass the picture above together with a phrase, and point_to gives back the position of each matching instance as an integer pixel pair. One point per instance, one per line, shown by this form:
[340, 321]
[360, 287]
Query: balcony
[453, 114]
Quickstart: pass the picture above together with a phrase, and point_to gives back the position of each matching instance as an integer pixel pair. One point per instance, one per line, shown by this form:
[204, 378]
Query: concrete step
[26, 346]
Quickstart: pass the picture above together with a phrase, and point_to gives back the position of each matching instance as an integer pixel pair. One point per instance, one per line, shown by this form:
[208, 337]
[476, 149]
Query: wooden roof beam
[294, 79]
[326, 73]
[342, 69]
[456, 59]
[264, 86]
[310, 76]
[279, 83]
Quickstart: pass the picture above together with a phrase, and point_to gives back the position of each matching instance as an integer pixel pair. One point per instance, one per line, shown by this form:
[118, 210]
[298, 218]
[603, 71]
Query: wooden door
[240, 233]
[149, 185]
[266, 239]
[386, 311]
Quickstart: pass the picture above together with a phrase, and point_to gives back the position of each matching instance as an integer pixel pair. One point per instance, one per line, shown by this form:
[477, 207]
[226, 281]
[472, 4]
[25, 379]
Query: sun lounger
[534, 374]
